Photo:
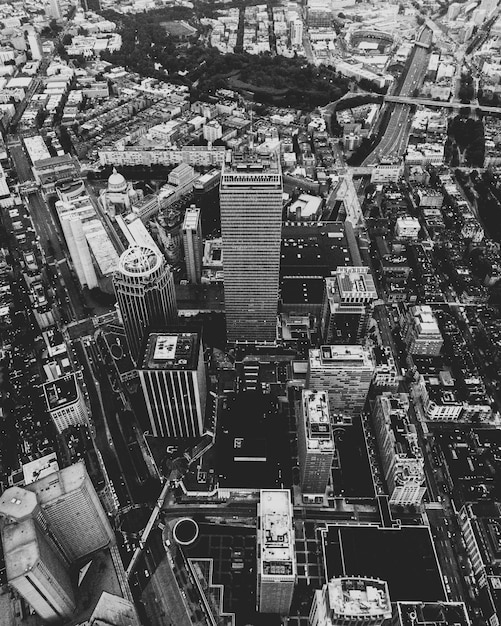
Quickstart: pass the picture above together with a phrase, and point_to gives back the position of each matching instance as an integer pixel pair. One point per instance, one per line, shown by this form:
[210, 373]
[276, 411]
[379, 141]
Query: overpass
[441, 104]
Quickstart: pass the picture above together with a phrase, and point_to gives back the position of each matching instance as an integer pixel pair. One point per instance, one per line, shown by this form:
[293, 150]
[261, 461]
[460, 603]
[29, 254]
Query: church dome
[116, 182]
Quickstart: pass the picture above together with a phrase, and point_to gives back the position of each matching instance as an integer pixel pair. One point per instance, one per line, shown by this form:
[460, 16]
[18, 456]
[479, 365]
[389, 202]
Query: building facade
[144, 287]
[421, 332]
[276, 559]
[173, 378]
[401, 455]
[65, 402]
[315, 442]
[193, 244]
[345, 372]
[251, 226]
[347, 305]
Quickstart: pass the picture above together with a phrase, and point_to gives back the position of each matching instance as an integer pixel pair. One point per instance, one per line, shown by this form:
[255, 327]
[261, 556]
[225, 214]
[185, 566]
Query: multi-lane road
[394, 141]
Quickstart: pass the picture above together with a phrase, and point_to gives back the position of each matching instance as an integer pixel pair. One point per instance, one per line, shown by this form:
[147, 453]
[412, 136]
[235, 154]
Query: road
[394, 141]
[20, 159]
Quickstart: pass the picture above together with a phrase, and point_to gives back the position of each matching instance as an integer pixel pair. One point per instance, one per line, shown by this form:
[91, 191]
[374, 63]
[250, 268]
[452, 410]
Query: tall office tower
[65, 402]
[70, 503]
[296, 32]
[315, 442]
[421, 332]
[346, 373]
[351, 601]
[251, 226]
[53, 9]
[347, 305]
[401, 455]
[144, 287]
[72, 222]
[193, 244]
[35, 45]
[37, 571]
[276, 557]
[172, 373]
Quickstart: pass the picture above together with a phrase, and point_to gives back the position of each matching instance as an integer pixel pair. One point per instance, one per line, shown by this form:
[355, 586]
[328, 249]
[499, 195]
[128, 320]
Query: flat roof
[61, 392]
[421, 613]
[276, 530]
[191, 218]
[17, 502]
[403, 556]
[171, 351]
[341, 356]
[318, 423]
[357, 597]
[45, 465]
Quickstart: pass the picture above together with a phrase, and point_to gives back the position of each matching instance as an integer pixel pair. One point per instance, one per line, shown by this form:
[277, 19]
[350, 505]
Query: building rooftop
[139, 261]
[17, 503]
[318, 424]
[61, 392]
[59, 483]
[20, 545]
[353, 598]
[386, 553]
[351, 285]
[191, 218]
[171, 351]
[34, 470]
[341, 356]
[276, 528]
[432, 614]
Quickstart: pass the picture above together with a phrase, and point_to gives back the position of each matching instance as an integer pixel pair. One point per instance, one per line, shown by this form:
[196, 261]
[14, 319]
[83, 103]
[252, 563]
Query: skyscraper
[276, 558]
[172, 373]
[421, 332]
[315, 441]
[50, 524]
[193, 243]
[401, 456]
[65, 402]
[37, 571]
[346, 373]
[346, 308]
[144, 287]
[251, 226]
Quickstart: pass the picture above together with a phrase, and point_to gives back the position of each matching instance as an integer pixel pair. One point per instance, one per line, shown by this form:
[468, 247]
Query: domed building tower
[119, 195]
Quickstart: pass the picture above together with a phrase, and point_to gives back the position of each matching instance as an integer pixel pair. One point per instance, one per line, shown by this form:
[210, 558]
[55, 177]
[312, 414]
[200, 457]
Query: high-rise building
[69, 503]
[50, 524]
[347, 305]
[351, 601]
[193, 244]
[421, 332]
[315, 442]
[251, 226]
[296, 32]
[53, 9]
[345, 372]
[36, 570]
[72, 223]
[35, 45]
[276, 558]
[173, 378]
[65, 402]
[400, 453]
[144, 287]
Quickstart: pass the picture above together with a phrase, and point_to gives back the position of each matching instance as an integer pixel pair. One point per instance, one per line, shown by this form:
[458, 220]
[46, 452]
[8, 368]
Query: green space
[150, 51]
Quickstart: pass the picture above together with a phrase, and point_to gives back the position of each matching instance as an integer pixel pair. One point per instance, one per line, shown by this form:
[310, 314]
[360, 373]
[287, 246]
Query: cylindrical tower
[144, 287]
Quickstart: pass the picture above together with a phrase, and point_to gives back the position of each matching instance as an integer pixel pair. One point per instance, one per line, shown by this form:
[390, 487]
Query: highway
[394, 141]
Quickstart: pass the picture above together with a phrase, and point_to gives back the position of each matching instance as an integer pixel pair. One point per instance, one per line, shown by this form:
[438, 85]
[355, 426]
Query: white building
[276, 558]
[401, 456]
[351, 601]
[65, 402]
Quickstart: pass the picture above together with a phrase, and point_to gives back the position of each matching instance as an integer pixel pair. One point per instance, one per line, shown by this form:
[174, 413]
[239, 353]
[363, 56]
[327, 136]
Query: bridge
[441, 104]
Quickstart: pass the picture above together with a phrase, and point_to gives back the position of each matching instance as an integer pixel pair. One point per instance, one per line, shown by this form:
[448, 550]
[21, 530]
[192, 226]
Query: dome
[116, 182]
